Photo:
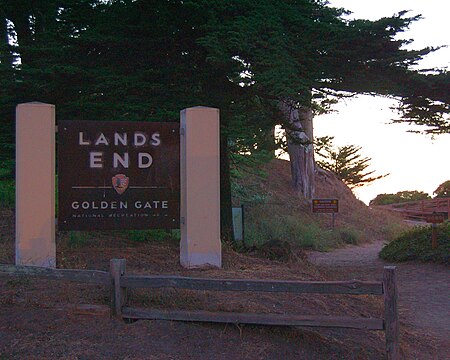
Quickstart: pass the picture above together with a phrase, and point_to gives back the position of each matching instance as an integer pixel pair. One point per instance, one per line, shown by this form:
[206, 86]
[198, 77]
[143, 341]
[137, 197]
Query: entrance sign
[325, 205]
[118, 175]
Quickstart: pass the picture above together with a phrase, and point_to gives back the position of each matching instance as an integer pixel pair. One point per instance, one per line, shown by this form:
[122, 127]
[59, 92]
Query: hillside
[274, 211]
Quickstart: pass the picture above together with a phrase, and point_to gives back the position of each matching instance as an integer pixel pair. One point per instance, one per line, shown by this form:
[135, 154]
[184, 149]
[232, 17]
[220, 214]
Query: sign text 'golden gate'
[118, 175]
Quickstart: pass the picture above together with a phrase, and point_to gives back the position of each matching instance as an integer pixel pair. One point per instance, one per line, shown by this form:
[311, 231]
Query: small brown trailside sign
[325, 205]
[436, 217]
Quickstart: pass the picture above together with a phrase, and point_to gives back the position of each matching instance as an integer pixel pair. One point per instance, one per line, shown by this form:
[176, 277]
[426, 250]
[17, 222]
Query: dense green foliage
[140, 60]
[416, 245]
[129, 60]
[443, 190]
[7, 193]
[399, 197]
[346, 162]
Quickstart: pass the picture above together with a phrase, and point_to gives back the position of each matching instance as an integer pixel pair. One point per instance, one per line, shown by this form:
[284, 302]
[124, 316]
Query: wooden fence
[119, 282]
[418, 210]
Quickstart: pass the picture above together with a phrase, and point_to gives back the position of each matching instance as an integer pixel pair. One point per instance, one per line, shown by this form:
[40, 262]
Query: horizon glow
[414, 161]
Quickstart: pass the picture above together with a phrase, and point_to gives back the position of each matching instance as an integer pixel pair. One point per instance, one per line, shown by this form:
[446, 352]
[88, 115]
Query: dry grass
[280, 213]
[6, 235]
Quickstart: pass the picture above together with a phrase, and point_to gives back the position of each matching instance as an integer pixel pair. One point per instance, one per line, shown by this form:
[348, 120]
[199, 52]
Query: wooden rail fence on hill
[418, 210]
[119, 282]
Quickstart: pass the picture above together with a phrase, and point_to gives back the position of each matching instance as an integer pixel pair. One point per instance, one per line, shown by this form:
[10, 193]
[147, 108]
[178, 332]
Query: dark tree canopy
[346, 162]
[443, 190]
[135, 59]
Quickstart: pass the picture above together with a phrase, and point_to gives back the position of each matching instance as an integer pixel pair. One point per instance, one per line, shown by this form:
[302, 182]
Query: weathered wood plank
[391, 313]
[84, 276]
[85, 309]
[260, 319]
[318, 287]
[117, 270]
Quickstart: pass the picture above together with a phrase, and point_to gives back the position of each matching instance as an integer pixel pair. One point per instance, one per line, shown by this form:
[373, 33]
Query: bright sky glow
[414, 161]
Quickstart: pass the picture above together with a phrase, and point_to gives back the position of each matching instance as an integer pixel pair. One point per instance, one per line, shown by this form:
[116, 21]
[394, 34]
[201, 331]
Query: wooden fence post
[117, 269]
[391, 313]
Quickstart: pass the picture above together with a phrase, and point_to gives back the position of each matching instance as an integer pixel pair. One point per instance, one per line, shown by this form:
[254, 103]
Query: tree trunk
[5, 54]
[299, 134]
[226, 216]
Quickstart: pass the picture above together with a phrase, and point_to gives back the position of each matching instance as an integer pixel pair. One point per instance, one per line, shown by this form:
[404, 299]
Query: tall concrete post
[35, 185]
[200, 188]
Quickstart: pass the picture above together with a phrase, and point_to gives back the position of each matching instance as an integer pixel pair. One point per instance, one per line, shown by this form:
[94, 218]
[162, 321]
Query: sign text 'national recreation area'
[118, 175]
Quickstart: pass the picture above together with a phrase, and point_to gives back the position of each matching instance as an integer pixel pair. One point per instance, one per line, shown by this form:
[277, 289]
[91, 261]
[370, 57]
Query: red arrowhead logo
[120, 183]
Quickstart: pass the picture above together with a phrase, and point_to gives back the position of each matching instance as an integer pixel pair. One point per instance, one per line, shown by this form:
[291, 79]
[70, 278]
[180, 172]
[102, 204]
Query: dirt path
[424, 289]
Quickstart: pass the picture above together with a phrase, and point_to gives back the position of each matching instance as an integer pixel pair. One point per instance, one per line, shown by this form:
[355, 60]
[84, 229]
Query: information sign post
[326, 206]
[435, 218]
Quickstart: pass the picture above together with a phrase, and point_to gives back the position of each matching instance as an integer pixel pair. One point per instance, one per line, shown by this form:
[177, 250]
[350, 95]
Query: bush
[7, 193]
[399, 197]
[78, 239]
[350, 235]
[249, 194]
[261, 229]
[415, 244]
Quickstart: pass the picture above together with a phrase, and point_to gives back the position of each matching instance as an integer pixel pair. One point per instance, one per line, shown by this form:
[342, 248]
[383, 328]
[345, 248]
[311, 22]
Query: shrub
[7, 193]
[415, 244]
[299, 232]
[399, 197]
[249, 194]
[78, 239]
[350, 235]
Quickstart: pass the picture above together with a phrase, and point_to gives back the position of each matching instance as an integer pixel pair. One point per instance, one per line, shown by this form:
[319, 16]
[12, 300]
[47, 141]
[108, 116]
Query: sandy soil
[424, 289]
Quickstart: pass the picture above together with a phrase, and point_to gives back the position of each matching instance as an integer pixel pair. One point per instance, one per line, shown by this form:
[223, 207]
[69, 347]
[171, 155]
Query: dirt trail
[424, 289]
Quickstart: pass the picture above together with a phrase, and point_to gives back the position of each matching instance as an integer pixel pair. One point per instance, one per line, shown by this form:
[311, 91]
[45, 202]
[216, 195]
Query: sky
[414, 161]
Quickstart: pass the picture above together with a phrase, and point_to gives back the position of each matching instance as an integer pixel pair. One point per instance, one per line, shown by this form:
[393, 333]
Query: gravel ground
[424, 289]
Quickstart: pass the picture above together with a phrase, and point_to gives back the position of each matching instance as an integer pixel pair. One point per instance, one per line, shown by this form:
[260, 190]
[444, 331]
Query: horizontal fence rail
[314, 287]
[418, 210]
[258, 319]
[85, 276]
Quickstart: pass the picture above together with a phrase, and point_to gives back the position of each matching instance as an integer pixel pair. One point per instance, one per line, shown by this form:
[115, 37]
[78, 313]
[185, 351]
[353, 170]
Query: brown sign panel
[325, 205]
[118, 175]
[436, 217]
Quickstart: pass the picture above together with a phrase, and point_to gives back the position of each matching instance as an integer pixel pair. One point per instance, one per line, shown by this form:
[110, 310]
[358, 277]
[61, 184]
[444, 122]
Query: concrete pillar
[35, 185]
[200, 188]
